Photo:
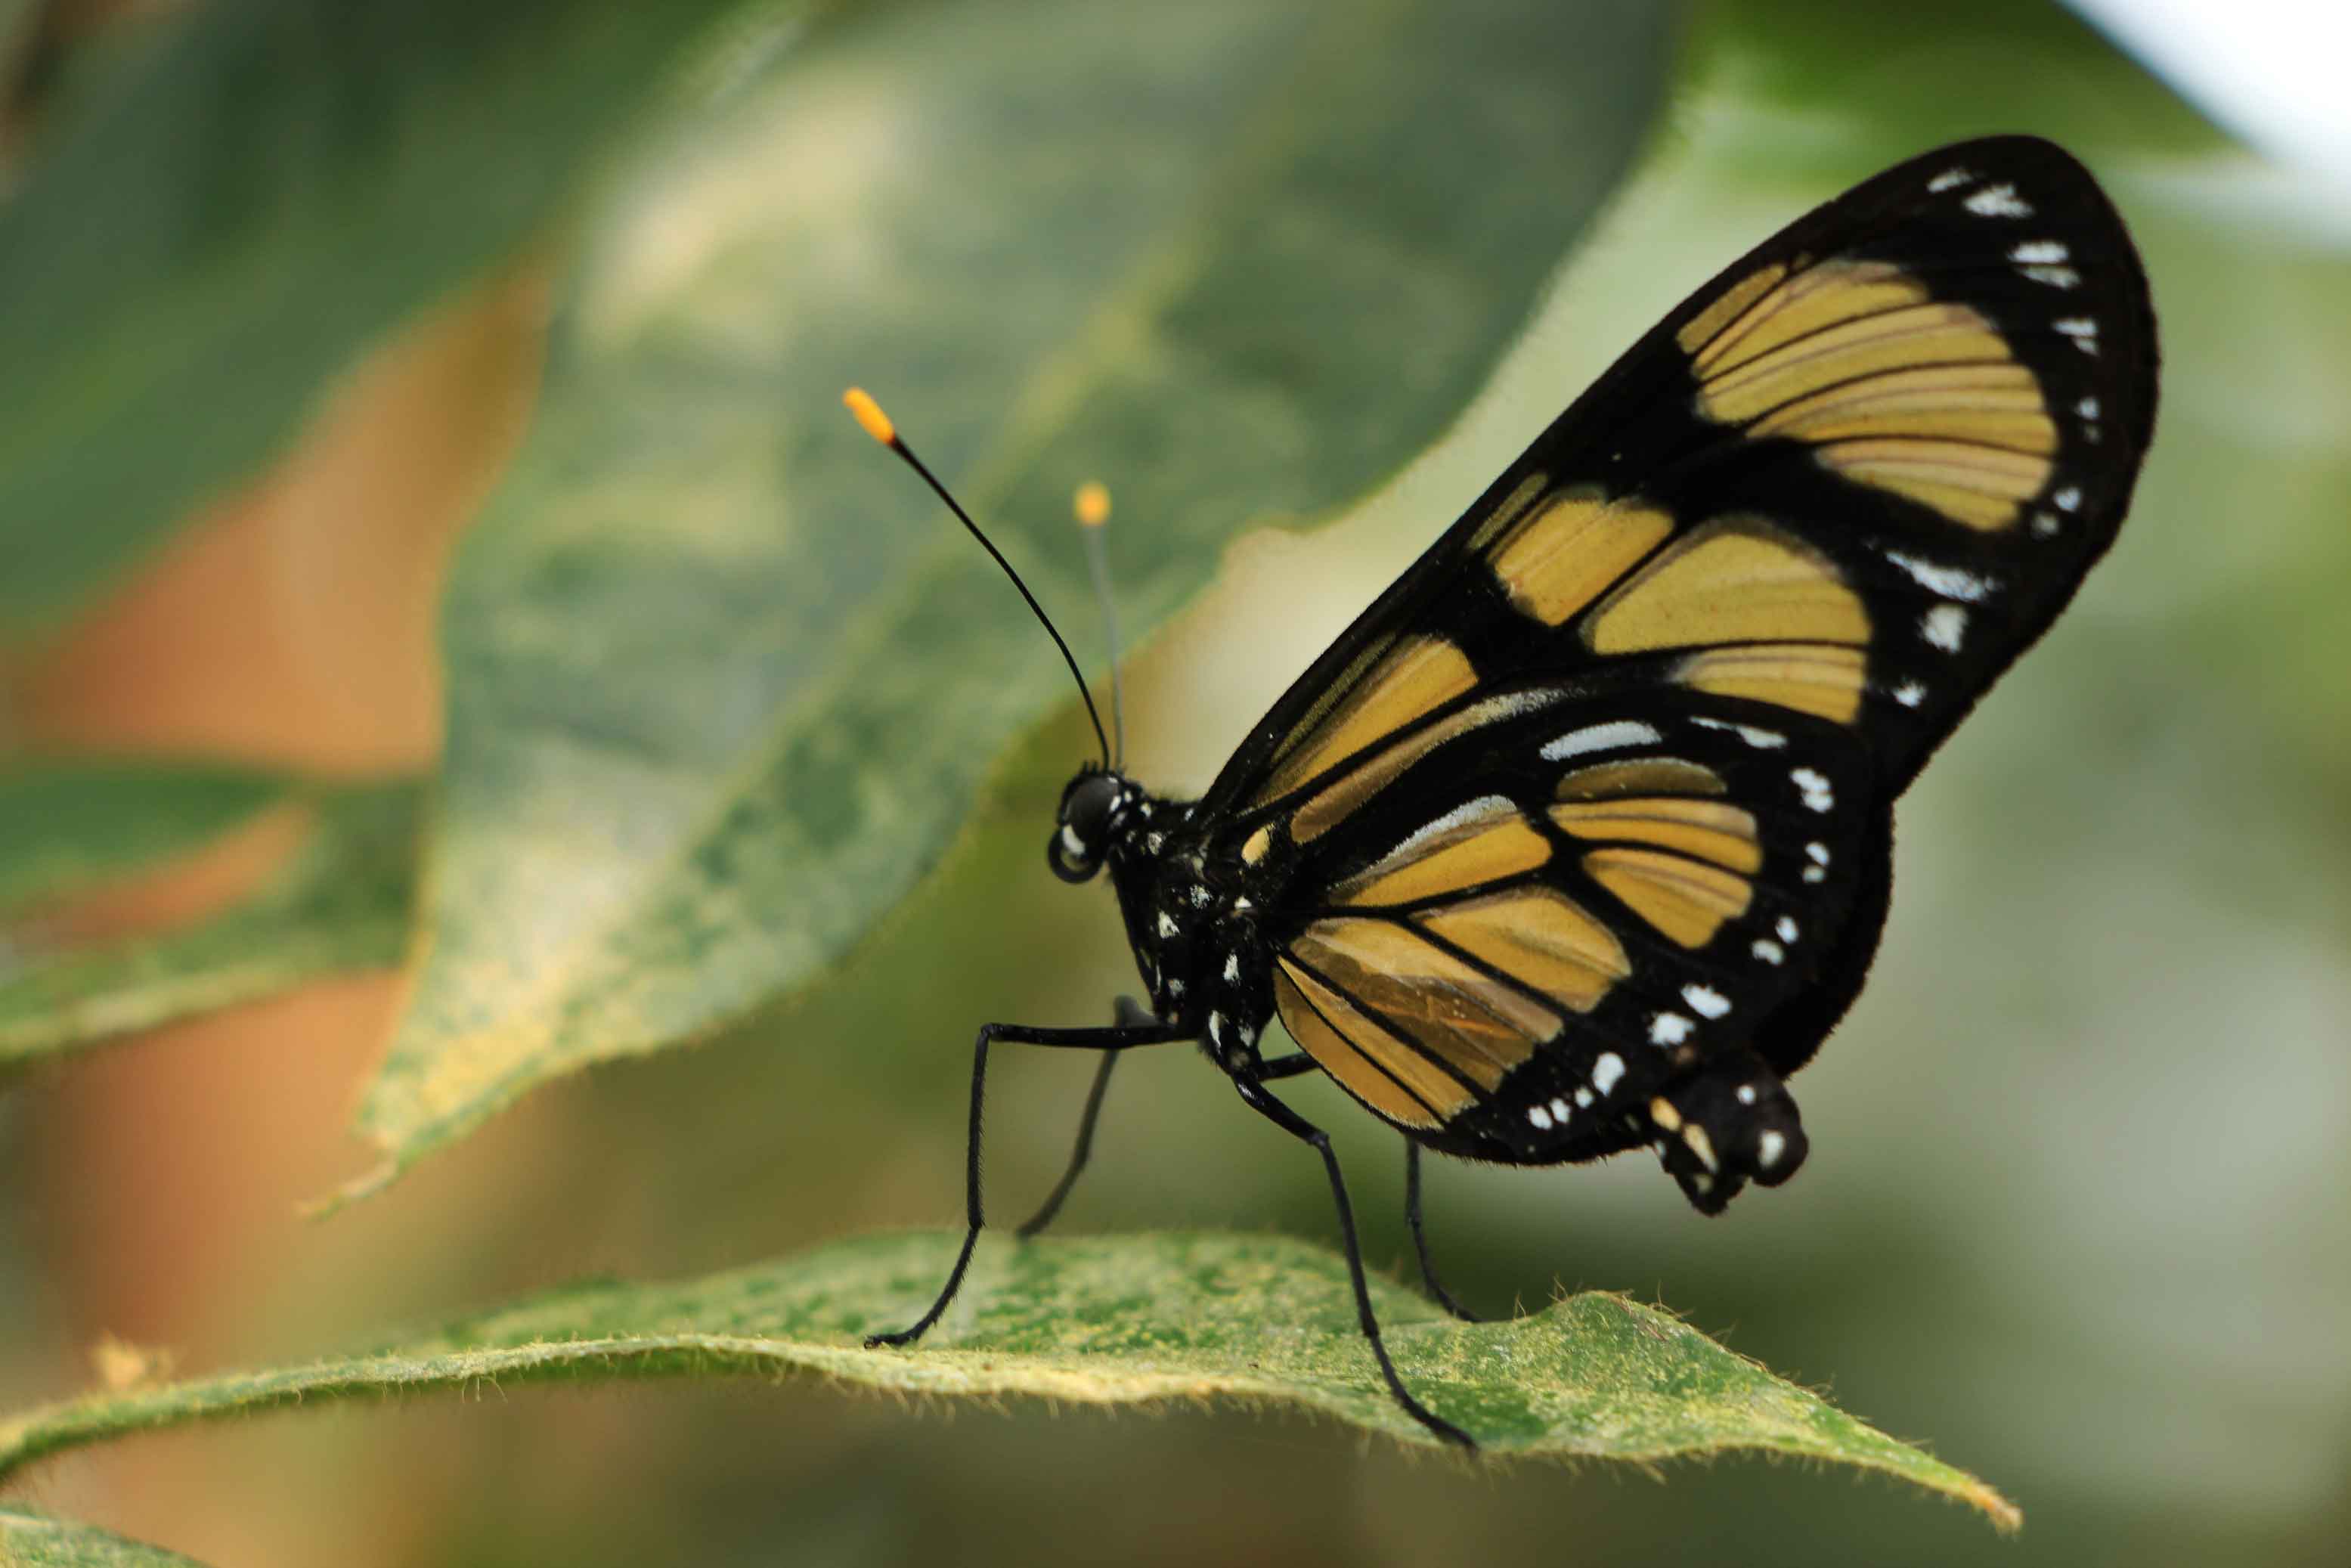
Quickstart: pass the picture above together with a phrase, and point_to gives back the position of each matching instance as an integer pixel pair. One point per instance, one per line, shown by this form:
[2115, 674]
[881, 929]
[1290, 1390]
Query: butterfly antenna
[1093, 508]
[877, 425]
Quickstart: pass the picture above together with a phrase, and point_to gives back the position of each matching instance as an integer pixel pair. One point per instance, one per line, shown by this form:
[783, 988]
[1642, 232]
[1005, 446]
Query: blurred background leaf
[340, 903]
[1106, 1322]
[224, 206]
[65, 826]
[723, 679]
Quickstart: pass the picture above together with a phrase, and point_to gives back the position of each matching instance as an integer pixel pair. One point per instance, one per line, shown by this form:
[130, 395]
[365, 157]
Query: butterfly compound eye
[1075, 849]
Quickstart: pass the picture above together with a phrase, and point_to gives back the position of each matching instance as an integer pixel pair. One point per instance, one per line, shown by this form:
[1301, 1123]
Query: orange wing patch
[1331, 804]
[1734, 579]
[1687, 900]
[1485, 841]
[1474, 1024]
[1893, 388]
[1540, 936]
[1564, 555]
[1413, 675]
[1807, 677]
[1314, 1015]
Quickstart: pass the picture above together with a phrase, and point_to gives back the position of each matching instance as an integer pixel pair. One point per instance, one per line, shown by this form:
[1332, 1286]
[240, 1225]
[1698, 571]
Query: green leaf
[725, 679]
[341, 904]
[29, 1539]
[223, 211]
[1144, 1319]
[1808, 82]
[65, 825]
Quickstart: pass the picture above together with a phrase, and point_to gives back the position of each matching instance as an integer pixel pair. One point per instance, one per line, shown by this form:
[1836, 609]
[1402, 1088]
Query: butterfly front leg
[1116, 1038]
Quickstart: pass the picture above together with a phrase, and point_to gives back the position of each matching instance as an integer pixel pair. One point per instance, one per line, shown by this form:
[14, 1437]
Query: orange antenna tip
[869, 415]
[1092, 503]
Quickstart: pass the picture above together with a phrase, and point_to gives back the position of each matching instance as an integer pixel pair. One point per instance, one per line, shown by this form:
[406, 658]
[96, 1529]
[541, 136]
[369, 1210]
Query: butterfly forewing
[1587, 794]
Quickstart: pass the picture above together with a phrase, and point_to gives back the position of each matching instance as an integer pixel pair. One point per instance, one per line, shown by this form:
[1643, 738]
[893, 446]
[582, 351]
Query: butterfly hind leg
[1129, 1013]
[1443, 1297]
[1263, 1102]
[1117, 1037]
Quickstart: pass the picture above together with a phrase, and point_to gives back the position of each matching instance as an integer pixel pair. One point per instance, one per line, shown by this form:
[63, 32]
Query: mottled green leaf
[232, 200]
[725, 678]
[342, 902]
[29, 1539]
[65, 825]
[1257, 1321]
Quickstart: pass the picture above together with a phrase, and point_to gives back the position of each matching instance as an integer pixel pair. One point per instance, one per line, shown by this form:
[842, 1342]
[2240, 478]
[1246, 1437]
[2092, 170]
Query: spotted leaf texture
[1190, 1318]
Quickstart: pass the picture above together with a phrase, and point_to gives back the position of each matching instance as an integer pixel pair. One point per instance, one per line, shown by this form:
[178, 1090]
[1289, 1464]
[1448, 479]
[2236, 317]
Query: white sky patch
[2269, 69]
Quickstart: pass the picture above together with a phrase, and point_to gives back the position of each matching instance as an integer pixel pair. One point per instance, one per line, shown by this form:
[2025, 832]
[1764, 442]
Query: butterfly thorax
[1193, 930]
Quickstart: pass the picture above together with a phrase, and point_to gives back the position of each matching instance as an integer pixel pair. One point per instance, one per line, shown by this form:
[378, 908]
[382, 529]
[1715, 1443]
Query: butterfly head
[1094, 814]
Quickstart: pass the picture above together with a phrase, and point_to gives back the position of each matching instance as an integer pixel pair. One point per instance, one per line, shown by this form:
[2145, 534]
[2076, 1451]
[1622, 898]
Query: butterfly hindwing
[1547, 915]
[1762, 569]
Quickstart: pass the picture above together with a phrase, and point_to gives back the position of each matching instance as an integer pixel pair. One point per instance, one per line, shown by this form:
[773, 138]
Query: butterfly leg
[1129, 1014]
[1306, 1131]
[1117, 1037]
[1420, 1239]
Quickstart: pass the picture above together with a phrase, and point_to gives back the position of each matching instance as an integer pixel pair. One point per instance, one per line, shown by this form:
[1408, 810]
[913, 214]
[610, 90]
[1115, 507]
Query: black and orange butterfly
[1579, 838]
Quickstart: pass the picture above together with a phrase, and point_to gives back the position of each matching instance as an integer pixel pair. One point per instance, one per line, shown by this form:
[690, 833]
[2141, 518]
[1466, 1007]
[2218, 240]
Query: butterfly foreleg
[1116, 1038]
[1258, 1100]
[1420, 1240]
[1129, 1013]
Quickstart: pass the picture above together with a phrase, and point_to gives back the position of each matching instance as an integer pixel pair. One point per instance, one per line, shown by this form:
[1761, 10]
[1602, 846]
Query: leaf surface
[1144, 1319]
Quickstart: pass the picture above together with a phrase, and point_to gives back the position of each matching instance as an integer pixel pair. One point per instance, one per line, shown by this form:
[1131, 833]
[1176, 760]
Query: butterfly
[1579, 838]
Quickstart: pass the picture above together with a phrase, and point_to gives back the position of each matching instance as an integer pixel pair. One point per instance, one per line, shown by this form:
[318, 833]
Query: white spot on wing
[1769, 1148]
[1997, 202]
[1771, 952]
[2087, 408]
[1760, 739]
[1786, 926]
[1705, 1001]
[2082, 330]
[1909, 694]
[1815, 786]
[1167, 923]
[1609, 737]
[1232, 969]
[1947, 179]
[1583, 1099]
[2054, 277]
[1947, 581]
[1747, 1094]
[2044, 524]
[1559, 1112]
[2068, 499]
[1483, 806]
[1606, 1071]
[1944, 627]
[1669, 1029]
[2039, 250]
[1540, 1118]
